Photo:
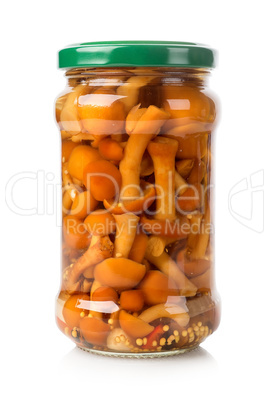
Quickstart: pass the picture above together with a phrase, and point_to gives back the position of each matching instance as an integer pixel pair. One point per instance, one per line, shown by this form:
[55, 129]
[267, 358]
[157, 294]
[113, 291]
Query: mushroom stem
[180, 184]
[163, 152]
[175, 312]
[69, 115]
[203, 237]
[139, 246]
[100, 249]
[198, 172]
[166, 265]
[126, 225]
[144, 130]
[129, 90]
[195, 223]
[69, 189]
[82, 136]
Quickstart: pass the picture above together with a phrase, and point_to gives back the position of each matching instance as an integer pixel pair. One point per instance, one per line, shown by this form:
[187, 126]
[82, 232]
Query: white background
[38, 362]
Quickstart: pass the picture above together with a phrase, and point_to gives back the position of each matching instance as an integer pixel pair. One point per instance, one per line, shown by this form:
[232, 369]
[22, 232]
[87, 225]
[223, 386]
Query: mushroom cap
[137, 205]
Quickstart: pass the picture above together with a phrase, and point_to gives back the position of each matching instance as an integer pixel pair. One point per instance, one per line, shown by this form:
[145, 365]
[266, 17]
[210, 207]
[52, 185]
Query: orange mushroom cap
[136, 205]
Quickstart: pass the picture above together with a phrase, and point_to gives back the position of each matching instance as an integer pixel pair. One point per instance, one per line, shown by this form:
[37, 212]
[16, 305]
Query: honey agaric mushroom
[190, 146]
[65, 135]
[187, 104]
[72, 309]
[100, 222]
[132, 300]
[178, 228]
[110, 149]
[81, 137]
[195, 223]
[69, 189]
[68, 287]
[157, 244]
[175, 312]
[197, 173]
[184, 167]
[67, 148]
[89, 272]
[86, 285]
[190, 200]
[133, 326]
[83, 204]
[119, 273]
[192, 268]
[94, 330]
[100, 249]
[137, 205]
[105, 293]
[66, 202]
[59, 107]
[201, 245]
[80, 157]
[146, 167]
[187, 128]
[180, 184]
[102, 178]
[69, 117]
[133, 116]
[102, 113]
[126, 225]
[95, 285]
[139, 246]
[166, 265]
[75, 233]
[163, 151]
[157, 287]
[203, 282]
[144, 130]
[129, 90]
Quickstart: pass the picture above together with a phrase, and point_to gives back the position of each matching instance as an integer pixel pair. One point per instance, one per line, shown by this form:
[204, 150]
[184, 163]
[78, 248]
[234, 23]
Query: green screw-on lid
[136, 54]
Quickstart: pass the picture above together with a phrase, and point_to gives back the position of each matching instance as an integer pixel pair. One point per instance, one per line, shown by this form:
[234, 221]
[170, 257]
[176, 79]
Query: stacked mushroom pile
[136, 217]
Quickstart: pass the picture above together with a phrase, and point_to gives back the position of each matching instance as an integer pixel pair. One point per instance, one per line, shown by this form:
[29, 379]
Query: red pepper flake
[155, 335]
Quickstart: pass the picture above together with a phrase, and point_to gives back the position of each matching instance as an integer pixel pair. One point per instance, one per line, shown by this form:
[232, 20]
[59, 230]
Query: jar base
[146, 355]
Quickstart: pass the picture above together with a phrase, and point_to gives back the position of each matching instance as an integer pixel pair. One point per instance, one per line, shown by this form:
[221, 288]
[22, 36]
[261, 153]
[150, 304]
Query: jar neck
[168, 76]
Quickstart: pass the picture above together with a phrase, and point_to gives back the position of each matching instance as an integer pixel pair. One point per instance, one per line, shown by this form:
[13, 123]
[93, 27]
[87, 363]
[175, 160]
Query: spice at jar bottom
[137, 129]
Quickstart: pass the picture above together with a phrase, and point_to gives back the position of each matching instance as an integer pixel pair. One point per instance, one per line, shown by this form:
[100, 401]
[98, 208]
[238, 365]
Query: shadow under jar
[136, 123]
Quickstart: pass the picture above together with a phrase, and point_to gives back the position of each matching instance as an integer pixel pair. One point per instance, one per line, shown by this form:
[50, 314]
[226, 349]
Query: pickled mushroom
[136, 205]
[133, 326]
[101, 113]
[166, 265]
[175, 312]
[119, 273]
[69, 117]
[97, 252]
[184, 167]
[144, 130]
[157, 287]
[163, 151]
[129, 90]
[139, 246]
[126, 225]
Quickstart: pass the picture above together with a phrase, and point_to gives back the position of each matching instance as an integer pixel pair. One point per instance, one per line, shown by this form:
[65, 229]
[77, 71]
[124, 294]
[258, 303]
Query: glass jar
[136, 123]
